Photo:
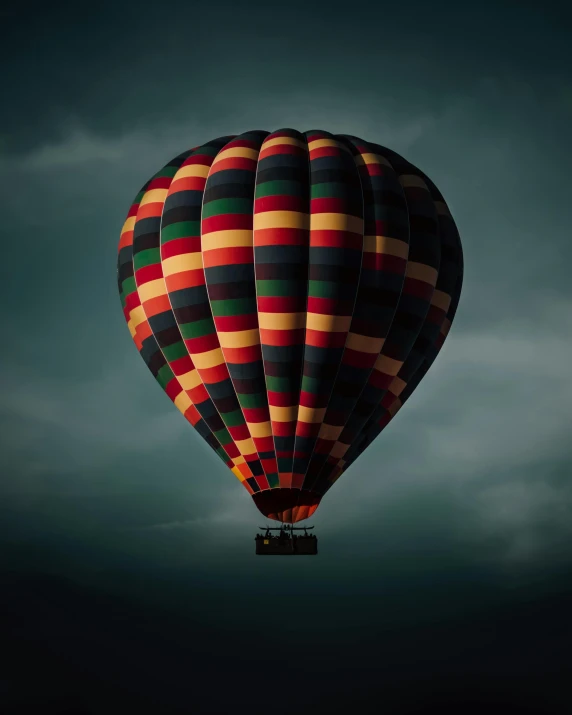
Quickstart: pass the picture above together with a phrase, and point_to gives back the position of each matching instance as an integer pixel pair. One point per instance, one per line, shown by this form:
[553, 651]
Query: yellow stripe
[339, 449]
[281, 219]
[388, 365]
[397, 386]
[364, 344]
[245, 446]
[281, 321]
[128, 225]
[311, 414]
[283, 414]
[239, 339]
[137, 316]
[421, 272]
[226, 239]
[282, 140]
[441, 300]
[367, 158]
[236, 152]
[260, 429]
[132, 330]
[155, 196]
[410, 181]
[236, 472]
[239, 460]
[395, 407]
[442, 208]
[336, 222]
[190, 171]
[152, 289]
[183, 262]
[183, 402]
[330, 432]
[386, 245]
[211, 358]
[328, 323]
[190, 380]
[321, 143]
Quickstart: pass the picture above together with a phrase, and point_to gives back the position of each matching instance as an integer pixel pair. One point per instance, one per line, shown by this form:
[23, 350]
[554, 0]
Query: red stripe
[329, 205]
[234, 162]
[228, 256]
[233, 323]
[282, 304]
[329, 306]
[204, 159]
[264, 444]
[279, 399]
[281, 237]
[359, 359]
[180, 247]
[281, 338]
[239, 432]
[202, 344]
[199, 394]
[281, 149]
[148, 273]
[227, 222]
[307, 429]
[324, 151]
[182, 365]
[243, 356]
[412, 286]
[256, 414]
[336, 239]
[160, 182]
[384, 262]
[281, 202]
[173, 388]
[319, 339]
[214, 375]
[283, 429]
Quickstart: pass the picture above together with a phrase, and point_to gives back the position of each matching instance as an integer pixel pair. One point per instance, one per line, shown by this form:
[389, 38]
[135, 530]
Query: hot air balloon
[289, 291]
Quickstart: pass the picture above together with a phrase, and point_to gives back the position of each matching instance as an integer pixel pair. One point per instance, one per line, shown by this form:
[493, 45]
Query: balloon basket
[286, 542]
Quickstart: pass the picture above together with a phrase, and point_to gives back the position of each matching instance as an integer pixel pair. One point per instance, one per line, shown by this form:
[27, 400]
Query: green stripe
[310, 384]
[329, 190]
[148, 257]
[129, 286]
[168, 170]
[323, 289]
[223, 436]
[175, 351]
[273, 480]
[164, 376]
[236, 306]
[227, 206]
[276, 288]
[198, 329]
[280, 188]
[255, 400]
[222, 454]
[182, 229]
[233, 419]
[281, 384]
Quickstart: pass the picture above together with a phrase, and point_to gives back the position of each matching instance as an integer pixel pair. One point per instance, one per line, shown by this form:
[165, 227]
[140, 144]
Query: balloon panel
[288, 291]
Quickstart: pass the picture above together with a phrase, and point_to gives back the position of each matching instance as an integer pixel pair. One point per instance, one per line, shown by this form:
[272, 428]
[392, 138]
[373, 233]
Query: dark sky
[129, 582]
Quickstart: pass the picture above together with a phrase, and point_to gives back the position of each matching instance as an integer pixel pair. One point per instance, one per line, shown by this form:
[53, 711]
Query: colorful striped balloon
[289, 291]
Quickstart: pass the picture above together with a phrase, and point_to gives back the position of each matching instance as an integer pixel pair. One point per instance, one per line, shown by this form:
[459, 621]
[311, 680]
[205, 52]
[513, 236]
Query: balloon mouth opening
[287, 505]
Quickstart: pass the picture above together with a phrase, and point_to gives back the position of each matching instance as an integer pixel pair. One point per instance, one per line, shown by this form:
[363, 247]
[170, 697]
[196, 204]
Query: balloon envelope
[288, 291]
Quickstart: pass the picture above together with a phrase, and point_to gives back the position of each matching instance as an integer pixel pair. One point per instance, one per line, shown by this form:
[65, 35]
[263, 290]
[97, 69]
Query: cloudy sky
[129, 578]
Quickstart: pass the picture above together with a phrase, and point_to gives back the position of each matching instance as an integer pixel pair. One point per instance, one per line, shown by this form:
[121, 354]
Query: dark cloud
[442, 577]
